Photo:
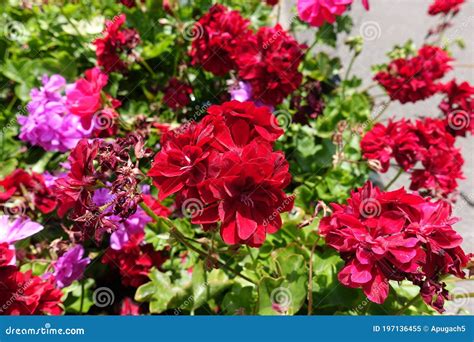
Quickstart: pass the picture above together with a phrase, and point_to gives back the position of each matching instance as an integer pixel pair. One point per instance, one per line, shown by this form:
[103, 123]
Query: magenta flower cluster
[49, 124]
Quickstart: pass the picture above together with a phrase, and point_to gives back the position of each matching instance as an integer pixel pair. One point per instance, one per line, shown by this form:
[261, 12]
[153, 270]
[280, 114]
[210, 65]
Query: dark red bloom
[247, 196]
[116, 41]
[441, 170]
[427, 141]
[183, 159]
[309, 104]
[129, 3]
[31, 187]
[134, 260]
[74, 189]
[224, 170]
[239, 123]
[7, 255]
[155, 205]
[129, 308]
[445, 6]
[177, 94]
[394, 235]
[397, 140]
[414, 79]
[25, 294]
[269, 62]
[271, 2]
[458, 106]
[216, 36]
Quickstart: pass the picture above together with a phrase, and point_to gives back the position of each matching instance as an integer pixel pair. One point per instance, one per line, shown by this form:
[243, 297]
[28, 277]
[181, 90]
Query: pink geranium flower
[318, 12]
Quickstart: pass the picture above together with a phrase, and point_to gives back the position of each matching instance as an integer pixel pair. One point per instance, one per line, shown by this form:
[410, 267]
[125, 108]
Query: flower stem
[382, 111]
[310, 280]
[147, 67]
[181, 238]
[346, 76]
[82, 297]
[399, 173]
[408, 304]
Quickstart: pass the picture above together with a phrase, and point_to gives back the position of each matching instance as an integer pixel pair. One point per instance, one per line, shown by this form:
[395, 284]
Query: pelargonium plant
[205, 159]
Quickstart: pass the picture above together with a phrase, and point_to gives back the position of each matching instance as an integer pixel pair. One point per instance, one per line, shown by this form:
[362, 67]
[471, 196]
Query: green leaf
[240, 300]
[267, 289]
[200, 285]
[158, 292]
[73, 296]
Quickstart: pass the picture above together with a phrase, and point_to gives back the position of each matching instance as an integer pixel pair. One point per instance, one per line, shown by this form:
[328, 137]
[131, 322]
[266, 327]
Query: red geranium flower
[394, 236]
[177, 94]
[30, 186]
[114, 43]
[183, 159]
[441, 170]
[269, 62]
[426, 141]
[225, 170]
[247, 196]
[445, 6]
[458, 106]
[7, 255]
[74, 189]
[134, 260]
[25, 294]
[413, 79]
[238, 123]
[217, 34]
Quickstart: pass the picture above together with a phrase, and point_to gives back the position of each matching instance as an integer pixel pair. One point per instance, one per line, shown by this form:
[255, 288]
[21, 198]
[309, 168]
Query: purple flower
[19, 229]
[70, 266]
[135, 224]
[49, 123]
[241, 92]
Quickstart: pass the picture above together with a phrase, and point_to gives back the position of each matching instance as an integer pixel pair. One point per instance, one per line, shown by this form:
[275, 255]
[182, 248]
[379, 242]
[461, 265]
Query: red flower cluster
[114, 43]
[29, 187]
[458, 106]
[445, 6]
[74, 190]
[177, 94]
[226, 171]
[86, 99]
[414, 79]
[217, 35]
[426, 141]
[23, 293]
[395, 235]
[268, 60]
[134, 260]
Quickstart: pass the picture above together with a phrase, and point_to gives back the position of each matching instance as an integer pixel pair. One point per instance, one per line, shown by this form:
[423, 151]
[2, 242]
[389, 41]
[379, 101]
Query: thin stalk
[408, 304]
[348, 72]
[310, 280]
[82, 298]
[181, 238]
[147, 67]
[399, 173]
[383, 111]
